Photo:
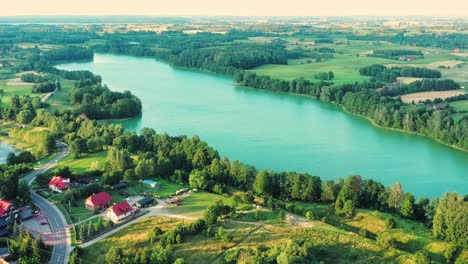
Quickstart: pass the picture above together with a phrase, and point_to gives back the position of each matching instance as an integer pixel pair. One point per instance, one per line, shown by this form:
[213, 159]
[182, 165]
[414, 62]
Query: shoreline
[287, 93]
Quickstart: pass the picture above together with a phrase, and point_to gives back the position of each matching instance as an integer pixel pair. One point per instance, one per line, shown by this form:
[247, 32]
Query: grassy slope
[336, 241]
[84, 163]
[61, 99]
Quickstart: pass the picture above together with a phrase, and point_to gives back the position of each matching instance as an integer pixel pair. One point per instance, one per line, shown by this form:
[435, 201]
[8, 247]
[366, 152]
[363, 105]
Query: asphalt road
[60, 235]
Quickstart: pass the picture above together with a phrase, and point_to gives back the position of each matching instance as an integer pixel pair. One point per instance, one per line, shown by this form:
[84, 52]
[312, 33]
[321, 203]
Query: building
[151, 183]
[59, 184]
[439, 107]
[119, 186]
[410, 58]
[456, 50]
[119, 211]
[145, 202]
[5, 208]
[97, 202]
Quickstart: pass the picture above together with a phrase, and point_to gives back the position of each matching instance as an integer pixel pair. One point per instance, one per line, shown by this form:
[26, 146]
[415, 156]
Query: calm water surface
[4, 150]
[278, 131]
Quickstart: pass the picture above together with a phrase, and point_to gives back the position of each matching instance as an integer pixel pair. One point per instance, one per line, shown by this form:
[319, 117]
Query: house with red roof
[456, 50]
[5, 208]
[97, 202]
[119, 211]
[59, 184]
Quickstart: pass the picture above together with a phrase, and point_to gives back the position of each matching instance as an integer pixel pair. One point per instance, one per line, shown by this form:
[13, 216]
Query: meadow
[349, 56]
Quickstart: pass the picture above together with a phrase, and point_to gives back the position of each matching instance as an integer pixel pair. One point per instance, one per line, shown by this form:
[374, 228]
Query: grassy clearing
[458, 116]
[195, 204]
[20, 90]
[61, 99]
[460, 106]
[423, 96]
[84, 163]
[166, 188]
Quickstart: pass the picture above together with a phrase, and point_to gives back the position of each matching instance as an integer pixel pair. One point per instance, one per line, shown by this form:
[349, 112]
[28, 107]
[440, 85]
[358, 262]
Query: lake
[4, 150]
[278, 131]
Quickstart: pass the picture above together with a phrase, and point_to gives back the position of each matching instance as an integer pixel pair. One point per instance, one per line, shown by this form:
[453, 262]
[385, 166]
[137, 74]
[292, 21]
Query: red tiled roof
[101, 198]
[4, 206]
[59, 182]
[121, 208]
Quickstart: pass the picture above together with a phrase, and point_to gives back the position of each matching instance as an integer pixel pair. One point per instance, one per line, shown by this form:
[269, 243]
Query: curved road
[60, 234]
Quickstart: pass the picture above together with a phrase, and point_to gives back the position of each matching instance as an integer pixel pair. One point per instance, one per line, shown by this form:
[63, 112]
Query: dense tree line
[396, 54]
[34, 78]
[45, 87]
[69, 53]
[10, 187]
[319, 55]
[381, 107]
[419, 72]
[421, 86]
[444, 40]
[226, 59]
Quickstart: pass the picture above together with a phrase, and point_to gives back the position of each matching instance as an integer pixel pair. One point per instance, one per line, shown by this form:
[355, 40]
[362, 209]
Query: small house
[119, 186]
[456, 50]
[97, 202]
[439, 107]
[5, 208]
[410, 58]
[145, 202]
[59, 184]
[151, 183]
[119, 211]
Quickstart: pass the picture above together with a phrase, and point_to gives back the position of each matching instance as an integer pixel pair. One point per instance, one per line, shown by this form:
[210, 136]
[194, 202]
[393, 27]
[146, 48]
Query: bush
[386, 240]
[450, 253]
[309, 215]
[390, 223]
[422, 257]
[364, 232]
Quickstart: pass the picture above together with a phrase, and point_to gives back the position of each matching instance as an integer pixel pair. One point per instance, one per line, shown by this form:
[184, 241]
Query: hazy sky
[235, 7]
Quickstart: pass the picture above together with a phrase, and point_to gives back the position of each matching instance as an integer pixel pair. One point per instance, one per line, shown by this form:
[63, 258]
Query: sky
[236, 7]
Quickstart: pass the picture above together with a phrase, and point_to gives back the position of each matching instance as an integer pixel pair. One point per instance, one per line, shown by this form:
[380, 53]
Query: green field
[350, 57]
[166, 188]
[61, 99]
[460, 106]
[195, 204]
[20, 90]
[83, 164]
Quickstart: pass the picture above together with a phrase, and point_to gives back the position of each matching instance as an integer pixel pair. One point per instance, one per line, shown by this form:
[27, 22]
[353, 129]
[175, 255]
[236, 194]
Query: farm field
[348, 58]
[422, 96]
[408, 80]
